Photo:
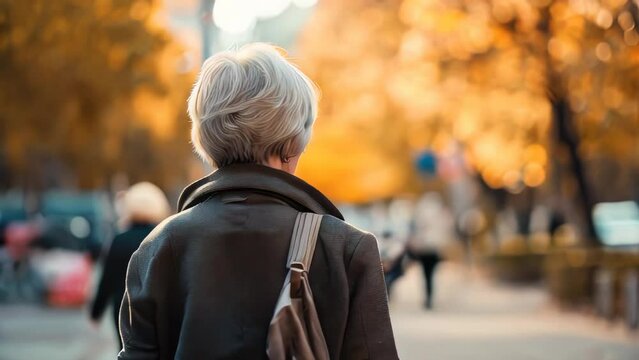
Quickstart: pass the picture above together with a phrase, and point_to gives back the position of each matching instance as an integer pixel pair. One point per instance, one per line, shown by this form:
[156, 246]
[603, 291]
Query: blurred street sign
[426, 163]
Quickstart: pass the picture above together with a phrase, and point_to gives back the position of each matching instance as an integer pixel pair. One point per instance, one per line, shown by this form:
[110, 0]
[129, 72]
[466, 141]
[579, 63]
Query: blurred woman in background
[144, 205]
[432, 233]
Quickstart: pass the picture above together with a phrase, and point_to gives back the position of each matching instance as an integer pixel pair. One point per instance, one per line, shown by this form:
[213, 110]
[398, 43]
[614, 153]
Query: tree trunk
[566, 135]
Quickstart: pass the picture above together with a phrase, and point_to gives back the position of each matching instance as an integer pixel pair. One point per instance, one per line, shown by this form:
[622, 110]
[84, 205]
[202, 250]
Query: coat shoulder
[335, 226]
[160, 237]
[334, 230]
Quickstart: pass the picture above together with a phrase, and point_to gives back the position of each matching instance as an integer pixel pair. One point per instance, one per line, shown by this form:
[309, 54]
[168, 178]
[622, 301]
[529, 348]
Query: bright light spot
[603, 51]
[511, 178]
[626, 21]
[535, 153]
[234, 16]
[270, 8]
[493, 177]
[80, 227]
[503, 12]
[534, 175]
[414, 45]
[304, 3]
[239, 16]
[604, 19]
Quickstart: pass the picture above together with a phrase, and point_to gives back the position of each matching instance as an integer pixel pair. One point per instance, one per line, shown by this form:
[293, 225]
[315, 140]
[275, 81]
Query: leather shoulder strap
[303, 240]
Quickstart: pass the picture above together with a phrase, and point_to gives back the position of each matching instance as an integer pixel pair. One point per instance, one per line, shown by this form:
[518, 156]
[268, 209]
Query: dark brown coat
[205, 282]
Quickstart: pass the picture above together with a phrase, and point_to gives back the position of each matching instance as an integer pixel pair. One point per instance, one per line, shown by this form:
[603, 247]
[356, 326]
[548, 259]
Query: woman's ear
[291, 164]
[288, 164]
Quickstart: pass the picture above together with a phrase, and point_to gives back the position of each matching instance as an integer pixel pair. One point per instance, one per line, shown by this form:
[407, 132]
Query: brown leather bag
[295, 331]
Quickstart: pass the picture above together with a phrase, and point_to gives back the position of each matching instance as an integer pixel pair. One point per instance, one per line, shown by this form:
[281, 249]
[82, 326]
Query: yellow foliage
[92, 88]
[354, 173]
[478, 73]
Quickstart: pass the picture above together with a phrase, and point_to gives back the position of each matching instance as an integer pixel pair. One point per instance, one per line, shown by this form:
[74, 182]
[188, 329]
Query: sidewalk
[473, 319]
[38, 333]
[477, 319]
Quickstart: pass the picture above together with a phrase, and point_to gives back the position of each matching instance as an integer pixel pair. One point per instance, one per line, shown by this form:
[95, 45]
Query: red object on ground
[71, 288]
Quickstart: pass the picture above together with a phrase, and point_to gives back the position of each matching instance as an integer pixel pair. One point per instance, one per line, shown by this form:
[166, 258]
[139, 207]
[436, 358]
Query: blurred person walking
[393, 253]
[144, 206]
[19, 280]
[396, 225]
[432, 232]
[205, 283]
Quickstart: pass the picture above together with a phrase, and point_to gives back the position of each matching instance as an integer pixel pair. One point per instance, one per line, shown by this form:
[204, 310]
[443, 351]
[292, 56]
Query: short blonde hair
[145, 203]
[250, 104]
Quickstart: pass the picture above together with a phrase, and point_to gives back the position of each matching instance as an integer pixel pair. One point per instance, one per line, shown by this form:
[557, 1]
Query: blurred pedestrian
[19, 280]
[432, 233]
[144, 205]
[394, 239]
[393, 253]
[205, 283]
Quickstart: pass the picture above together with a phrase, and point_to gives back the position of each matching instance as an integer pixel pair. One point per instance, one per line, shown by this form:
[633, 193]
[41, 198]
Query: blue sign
[426, 163]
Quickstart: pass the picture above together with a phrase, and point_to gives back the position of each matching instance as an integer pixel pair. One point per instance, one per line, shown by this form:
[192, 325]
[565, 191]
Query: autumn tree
[531, 90]
[591, 57]
[89, 89]
[576, 59]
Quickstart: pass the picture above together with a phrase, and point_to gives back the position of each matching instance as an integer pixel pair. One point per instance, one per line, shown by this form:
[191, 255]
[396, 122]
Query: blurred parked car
[48, 257]
[76, 221]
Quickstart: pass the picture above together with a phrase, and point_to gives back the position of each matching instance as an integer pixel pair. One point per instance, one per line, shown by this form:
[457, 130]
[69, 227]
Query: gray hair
[250, 104]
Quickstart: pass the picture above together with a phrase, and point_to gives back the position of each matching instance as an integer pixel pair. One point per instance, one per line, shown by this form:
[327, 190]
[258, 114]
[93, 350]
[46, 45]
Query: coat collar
[263, 179]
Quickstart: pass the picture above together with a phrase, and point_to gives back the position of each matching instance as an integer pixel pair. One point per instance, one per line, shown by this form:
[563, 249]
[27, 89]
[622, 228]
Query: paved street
[29, 333]
[473, 319]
